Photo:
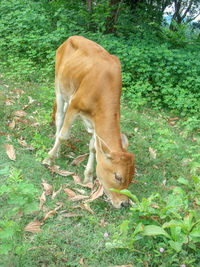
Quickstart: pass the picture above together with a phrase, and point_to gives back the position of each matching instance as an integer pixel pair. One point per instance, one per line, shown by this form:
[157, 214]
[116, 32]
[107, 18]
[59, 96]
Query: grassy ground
[163, 153]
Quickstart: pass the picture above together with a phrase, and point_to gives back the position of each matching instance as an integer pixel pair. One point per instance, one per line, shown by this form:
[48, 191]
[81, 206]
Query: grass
[163, 153]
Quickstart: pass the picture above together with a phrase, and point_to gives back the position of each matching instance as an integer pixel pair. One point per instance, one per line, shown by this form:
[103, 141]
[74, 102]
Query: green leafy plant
[41, 145]
[21, 200]
[174, 220]
[179, 37]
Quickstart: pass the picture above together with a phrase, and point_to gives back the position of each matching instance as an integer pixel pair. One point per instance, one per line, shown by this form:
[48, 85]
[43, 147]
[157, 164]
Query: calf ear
[124, 142]
[105, 150]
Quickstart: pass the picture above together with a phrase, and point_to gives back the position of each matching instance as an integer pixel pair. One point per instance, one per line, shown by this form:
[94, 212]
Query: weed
[19, 196]
[173, 221]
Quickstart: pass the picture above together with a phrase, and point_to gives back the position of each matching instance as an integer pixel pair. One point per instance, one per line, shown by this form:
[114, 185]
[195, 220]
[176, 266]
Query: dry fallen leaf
[54, 194]
[80, 191]
[196, 202]
[77, 180]
[59, 206]
[1, 133]
[63, 211]
[135, 181]
[18, 119]
[49, 214]
[102, 223]
[173, 121]
[10, 151]
[69, 192]
[152, 152]
[154, 206]
[25, 107]
[98, 193]
[29, 148]
[72, 195]
[42, 200]
[35, 124]
[195, 139]
[78, 198]
[88, 185]
[12, 125]
[18, 92]
[8, 138]
[33, 227]
[44, 209]
[71, 214]
[47, 187]
[9, 102]
[30, 100]
[20, 113]
[86, 206]
[81, 261]
[79, 159]
[56, 169]
[22, 142]
[95, 186]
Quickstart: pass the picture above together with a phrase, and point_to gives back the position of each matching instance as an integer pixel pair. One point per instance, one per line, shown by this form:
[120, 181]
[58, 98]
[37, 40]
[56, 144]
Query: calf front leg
[62, 135]
[89, 170]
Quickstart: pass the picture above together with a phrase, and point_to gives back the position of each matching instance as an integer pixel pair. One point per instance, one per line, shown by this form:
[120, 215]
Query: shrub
[161, 76]
[156, 71]
[174, 222]
[21, 200]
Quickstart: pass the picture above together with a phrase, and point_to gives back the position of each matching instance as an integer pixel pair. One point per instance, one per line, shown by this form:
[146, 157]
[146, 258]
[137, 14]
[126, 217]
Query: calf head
[115, 170]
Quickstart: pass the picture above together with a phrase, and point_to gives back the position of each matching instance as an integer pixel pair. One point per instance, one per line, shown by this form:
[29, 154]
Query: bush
[159, 71]
[31, 31]
[20, 197]
[173, 222]
[156, 74]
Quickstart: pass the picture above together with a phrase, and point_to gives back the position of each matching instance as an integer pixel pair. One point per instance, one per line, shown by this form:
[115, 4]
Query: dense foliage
[160, 67]
[174, 221]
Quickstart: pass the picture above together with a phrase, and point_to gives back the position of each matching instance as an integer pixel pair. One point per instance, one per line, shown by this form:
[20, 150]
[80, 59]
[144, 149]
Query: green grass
[65, 241]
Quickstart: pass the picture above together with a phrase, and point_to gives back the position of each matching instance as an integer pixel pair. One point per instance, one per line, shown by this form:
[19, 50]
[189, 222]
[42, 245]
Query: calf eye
[118, 178]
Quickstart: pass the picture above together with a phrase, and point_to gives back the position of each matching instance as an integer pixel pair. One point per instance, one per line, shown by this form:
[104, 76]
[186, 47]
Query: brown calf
[88, 84]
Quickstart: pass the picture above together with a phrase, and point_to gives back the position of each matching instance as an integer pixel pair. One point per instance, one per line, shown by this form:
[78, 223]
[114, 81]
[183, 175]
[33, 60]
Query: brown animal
[88, 84]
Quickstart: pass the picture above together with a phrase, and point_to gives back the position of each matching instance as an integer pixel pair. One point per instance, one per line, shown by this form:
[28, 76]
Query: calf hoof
[47, 161]
[88, 177]
[57, 154]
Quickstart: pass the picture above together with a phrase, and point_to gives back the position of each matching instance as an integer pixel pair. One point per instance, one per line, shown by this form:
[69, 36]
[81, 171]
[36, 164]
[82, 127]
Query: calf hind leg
[60, 112]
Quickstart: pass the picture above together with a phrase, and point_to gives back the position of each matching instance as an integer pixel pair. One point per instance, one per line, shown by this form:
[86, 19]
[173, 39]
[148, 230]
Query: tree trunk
[178, 17]
[89, 6]
[114, 14]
